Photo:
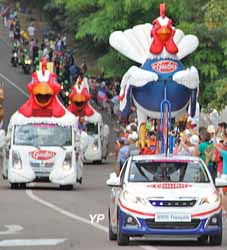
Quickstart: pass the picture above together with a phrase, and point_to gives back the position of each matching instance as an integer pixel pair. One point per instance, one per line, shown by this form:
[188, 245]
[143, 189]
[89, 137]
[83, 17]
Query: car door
[115, 193]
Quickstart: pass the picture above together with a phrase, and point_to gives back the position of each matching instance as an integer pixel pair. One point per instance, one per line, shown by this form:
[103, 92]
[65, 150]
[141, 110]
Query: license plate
[172, 217]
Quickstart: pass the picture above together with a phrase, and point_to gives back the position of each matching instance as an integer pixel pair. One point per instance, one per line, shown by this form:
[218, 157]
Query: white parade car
[43, 150]
[172, 196]
[97, 138]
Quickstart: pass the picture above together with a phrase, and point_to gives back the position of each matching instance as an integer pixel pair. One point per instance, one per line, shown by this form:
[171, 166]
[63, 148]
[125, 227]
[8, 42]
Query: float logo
[42, 155]
[169, 185]
[164, 66]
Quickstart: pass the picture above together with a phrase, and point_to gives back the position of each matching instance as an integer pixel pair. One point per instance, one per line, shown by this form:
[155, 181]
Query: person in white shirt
[31, 30]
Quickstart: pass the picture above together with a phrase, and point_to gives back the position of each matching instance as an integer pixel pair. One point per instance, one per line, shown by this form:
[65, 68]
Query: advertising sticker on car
[43, 155]
[172, 217]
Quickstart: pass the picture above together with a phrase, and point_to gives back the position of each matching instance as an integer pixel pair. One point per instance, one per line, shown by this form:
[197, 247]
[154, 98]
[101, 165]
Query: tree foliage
[93, 21]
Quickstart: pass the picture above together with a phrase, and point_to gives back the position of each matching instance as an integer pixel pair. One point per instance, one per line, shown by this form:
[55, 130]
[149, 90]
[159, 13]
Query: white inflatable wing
[187, 45]
[179, 35]
[136, 77]
[133, 43]
[188, 77]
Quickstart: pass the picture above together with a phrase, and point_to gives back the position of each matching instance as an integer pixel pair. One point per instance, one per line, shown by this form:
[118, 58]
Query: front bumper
[57, 176]
[148, 226]
[92, 155]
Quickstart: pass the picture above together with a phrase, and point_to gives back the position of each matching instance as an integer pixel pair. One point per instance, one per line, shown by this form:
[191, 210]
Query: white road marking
[31, 242]
[14, 85]
[64, 212]
[12, 229]
[74, 216]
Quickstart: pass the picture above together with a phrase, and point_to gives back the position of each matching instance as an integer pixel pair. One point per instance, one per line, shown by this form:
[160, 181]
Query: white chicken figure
[159, 48]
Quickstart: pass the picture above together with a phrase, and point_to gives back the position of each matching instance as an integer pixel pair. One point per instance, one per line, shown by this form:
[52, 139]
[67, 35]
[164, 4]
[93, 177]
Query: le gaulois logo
[42, 155]
[169, 185]
[165, 66]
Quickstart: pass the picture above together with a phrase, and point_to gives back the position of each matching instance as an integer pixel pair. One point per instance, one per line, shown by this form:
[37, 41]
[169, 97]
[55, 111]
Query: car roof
[163, 158]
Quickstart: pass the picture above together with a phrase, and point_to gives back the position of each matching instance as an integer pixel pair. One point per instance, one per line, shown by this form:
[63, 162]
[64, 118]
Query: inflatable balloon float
[162, 77]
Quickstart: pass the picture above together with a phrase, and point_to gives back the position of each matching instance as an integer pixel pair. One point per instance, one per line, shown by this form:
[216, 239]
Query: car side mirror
[221, 181]
[113, 181]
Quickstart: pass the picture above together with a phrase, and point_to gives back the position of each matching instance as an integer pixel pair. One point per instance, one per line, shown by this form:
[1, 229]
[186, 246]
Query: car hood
[170, 190]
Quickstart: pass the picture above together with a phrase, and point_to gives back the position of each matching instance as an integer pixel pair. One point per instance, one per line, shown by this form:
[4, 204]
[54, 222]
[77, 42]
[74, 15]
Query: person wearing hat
[211, 131]
[189, 145]
[133, 148]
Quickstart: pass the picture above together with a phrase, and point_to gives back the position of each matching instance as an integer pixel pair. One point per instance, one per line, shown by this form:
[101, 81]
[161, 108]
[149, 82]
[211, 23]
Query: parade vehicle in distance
[42, 138]
[97, 131]
[162, 195]
[98, 139]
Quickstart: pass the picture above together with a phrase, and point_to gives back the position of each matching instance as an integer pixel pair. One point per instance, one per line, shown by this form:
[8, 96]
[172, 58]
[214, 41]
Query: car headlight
[129, 197]
[95, 145]
[214, 197]
[16, 160]
[67, 164]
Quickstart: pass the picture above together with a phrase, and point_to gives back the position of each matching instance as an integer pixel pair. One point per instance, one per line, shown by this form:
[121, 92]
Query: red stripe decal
[152, 215]
[135, 211]
[207, 212]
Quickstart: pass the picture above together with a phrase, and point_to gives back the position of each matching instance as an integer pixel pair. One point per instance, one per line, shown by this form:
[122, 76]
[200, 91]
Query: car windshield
[92, 128]
[42, 135]
[157, 171]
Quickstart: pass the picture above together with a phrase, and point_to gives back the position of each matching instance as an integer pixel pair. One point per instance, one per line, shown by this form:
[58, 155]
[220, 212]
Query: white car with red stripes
[172, 196]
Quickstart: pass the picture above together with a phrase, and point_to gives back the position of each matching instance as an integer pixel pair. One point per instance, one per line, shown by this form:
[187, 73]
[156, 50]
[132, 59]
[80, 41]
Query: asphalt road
[43, 217]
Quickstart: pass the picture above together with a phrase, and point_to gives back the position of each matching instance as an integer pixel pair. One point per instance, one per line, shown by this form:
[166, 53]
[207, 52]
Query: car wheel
[23, 185]
[14, 185]
[66, 187]
[122, 239]
[216, 240]
[203, 239]
[112, 235]
[80, 180]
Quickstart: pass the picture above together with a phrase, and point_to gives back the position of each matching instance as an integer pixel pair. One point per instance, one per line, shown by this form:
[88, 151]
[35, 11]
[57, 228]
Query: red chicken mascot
[43, 100]
[79, 98]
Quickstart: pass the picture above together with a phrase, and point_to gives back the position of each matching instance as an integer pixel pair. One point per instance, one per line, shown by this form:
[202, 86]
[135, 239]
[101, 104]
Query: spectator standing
[31, 30]
[5, 14]
[222, 145]
[64, 41]
[122, 155]
[73, 73]
[211, 131]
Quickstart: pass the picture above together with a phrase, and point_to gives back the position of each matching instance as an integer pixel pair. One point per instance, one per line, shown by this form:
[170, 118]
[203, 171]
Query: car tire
[122, 239]
[203, 239]
[66, 187]
[80, 180]
[216, 239]
[14, 185]
[22, 185]
[112, 235]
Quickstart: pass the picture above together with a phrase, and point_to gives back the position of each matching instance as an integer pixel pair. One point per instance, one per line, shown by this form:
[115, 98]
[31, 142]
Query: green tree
[93, 21]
